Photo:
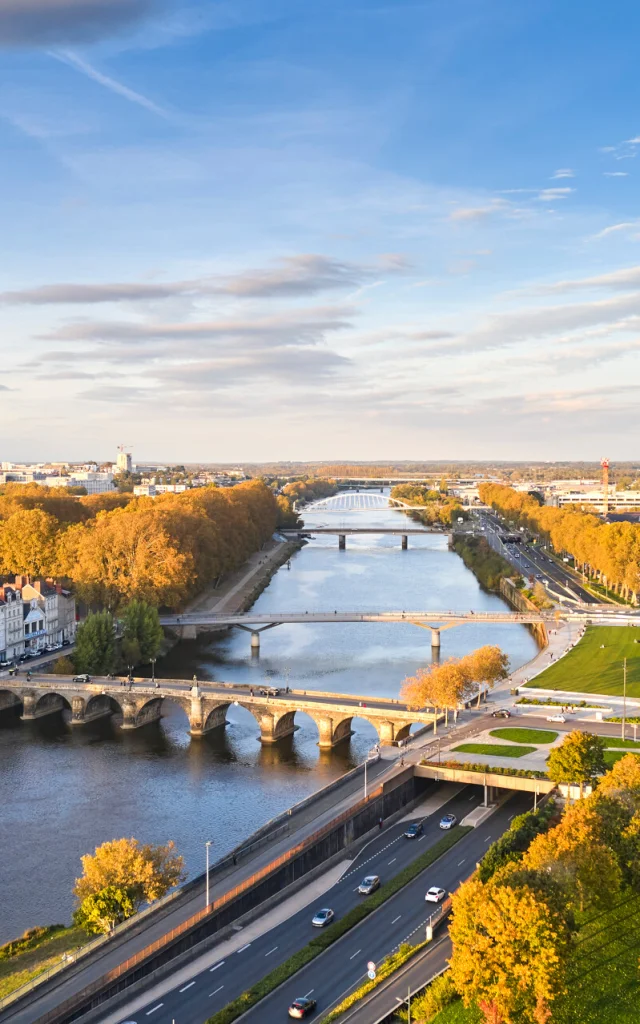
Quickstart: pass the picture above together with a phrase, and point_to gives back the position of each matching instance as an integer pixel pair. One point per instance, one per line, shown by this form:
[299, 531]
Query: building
[594, 499]
[33, 616]
[94, 483]
[145, 490]
[124, 463]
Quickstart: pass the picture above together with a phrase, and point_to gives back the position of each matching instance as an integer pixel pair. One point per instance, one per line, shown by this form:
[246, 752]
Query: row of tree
[439, 507]
[606, 551]
[516, 925]
[161, 550]
[455, 680]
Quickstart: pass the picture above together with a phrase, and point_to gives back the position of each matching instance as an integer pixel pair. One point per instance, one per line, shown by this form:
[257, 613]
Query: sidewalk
[232, 594]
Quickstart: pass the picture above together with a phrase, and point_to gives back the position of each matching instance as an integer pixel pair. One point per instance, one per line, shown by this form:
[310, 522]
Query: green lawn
[622, 744]
[611, 756]
[525, 735]
[588, 668]
[494, 749]
[20, 969]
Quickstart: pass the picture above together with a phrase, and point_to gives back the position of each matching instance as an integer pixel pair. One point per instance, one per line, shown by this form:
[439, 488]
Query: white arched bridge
[358, 501]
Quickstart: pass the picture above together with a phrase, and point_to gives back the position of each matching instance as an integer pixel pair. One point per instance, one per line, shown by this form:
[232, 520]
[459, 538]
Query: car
[501, 713]
[66, 643]
[23, 657]
[369, 885]
[83, 678]
[302, 1007]
[448, 821]
[414, 830]
[5, 664]
[50, 648]
[322, 918]
[269, 691]
[556, 718]
[434, 894]
[538, 575]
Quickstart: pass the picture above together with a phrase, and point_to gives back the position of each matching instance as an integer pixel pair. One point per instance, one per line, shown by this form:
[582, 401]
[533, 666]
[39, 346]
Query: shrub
[426, 1007]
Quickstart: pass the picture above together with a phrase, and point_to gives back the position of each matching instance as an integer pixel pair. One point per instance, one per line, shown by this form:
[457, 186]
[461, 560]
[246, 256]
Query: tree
[64, 666]
[121, 875]
[623, 781]
[509, 948]
[579, 759]
[142, 632]
[95, 644]
[28, 543]
[100, 911]
[487, 665]
[438, 686]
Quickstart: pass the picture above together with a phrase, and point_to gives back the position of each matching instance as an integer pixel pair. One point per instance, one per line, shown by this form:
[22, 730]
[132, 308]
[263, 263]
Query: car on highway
[369, 885]
[302, 1007]
[556, 718]
[448, 821]
[269, 691]
[538, 575]
[414, 830]
[434, 894]
[501, 713]
[322, 918]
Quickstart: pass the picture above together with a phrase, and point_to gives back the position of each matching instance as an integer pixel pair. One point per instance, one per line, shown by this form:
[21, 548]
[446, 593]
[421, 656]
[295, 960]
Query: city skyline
[257, 231]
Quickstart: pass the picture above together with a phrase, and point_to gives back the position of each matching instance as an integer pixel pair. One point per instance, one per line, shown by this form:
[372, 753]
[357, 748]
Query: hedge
[335, 931]
[487, 769]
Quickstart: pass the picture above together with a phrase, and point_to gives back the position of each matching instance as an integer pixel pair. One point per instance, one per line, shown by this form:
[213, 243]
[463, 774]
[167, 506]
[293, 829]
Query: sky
[342, 229]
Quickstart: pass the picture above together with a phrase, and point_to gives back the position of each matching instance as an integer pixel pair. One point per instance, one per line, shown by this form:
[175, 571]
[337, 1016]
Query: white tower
[123, 462]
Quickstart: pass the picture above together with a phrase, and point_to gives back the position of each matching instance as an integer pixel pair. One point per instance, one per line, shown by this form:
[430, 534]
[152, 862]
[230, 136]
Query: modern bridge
[342, 532]
[206, 705]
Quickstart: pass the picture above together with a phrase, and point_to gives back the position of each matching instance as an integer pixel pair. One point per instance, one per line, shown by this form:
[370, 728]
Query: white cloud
[627, 225]
[550, 195]
[563, 172]
[73, 60]
[628, 278]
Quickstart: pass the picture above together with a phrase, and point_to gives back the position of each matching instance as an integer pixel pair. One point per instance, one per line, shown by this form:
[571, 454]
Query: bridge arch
[37, 705]
[9, 699]
[98, 705]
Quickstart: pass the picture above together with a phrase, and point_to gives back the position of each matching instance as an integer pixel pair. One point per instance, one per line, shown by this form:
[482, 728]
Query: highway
[401, 918]
[531, 561]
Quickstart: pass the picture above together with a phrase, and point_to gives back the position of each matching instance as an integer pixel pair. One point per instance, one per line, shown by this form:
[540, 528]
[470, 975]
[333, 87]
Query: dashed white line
[187, 986]
[216, 991]
[271, 951]
[420, 839]
[242, 948]
[217, 965]
[153, 1009]
[511, 816]
[355, 954]
[309, 992]
[461, 862]
[471, 798]
[392, 861]
[396, 918]
[487, 839]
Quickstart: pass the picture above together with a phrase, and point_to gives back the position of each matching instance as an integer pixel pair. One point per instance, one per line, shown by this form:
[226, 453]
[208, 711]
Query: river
[64, 791]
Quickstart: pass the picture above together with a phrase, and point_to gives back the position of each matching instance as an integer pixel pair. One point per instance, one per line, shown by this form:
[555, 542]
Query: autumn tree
[28, 543]
[438, 686]
[623, 781]
[509, 948]
[487, 665]
[122, 875]
[95, 644]
[579, 759]
[142, 633]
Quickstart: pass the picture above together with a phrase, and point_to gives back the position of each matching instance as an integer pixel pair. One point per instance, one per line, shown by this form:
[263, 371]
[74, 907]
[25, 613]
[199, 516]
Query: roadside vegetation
[436, 505]
[595, 664]
[494, 749]
[37, 951]
[518, 735]
[486, 565]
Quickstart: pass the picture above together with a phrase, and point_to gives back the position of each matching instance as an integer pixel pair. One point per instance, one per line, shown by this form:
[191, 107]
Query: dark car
[302, 1007]
[501, 713]
[414, 830]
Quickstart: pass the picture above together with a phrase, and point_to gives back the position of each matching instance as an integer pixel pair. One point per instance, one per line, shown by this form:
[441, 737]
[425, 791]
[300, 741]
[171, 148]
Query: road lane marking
[471, 798]
[222, 962]
[271, 951]
[154, 1008]
[355, 954]
[396, 918]
[242, 948]
[392, 861]
[420, 839]
[309, 992]
[216, 991]
[187, 986]
[487, 839]
[460, 863]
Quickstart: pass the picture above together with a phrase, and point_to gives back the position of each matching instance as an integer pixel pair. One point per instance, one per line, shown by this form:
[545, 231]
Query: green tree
[100, 911]
[579, 759]
[142, 633]
[143, 873]
[64, 666]
[95, 644]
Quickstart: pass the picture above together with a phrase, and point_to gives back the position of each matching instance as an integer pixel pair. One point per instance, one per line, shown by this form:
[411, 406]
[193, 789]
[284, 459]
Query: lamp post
[624, 696]
[153, 670]
[206, 846]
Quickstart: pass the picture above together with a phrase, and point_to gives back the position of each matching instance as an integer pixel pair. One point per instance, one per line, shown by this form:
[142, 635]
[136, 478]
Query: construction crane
[605, 485]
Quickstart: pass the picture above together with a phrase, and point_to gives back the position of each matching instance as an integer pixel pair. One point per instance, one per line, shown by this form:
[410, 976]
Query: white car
[434, 895]
[556, 718]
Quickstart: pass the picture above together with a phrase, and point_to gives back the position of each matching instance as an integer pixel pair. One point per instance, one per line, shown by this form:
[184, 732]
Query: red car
[302, 1007]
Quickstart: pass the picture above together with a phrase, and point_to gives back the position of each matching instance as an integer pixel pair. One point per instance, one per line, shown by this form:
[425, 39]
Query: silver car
[322, 918]
[368, 885]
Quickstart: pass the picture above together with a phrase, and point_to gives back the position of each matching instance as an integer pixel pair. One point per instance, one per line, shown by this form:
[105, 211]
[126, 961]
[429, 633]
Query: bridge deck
[397, 531]
[278, 618]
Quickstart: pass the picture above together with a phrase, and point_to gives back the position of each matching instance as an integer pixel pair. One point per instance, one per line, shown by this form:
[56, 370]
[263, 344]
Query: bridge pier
[435, 638]
[328, 736]
[34, 707]
[405, 542]
[342, 542]
[274, 727]
[255, 642]
[100, 707]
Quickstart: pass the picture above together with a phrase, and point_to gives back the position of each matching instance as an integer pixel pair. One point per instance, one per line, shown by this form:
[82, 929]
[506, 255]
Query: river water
[64, 791]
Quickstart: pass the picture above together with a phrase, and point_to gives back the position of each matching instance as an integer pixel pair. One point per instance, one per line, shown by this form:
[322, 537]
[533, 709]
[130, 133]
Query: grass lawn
[494, 749]
[525, 735]
[20, 969]
[611, 756]
[589, 669]
[619, 744]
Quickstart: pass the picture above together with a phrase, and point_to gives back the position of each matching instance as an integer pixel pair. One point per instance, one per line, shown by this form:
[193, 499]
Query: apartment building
[34, 615]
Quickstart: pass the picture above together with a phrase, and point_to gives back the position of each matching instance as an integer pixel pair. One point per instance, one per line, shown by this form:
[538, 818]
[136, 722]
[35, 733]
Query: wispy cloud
[551, 195]
[563, 172]
[616, 174]
[626, 225]
[74, 61]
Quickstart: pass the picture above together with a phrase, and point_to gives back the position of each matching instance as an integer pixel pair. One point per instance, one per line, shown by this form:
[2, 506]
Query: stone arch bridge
[206, 705]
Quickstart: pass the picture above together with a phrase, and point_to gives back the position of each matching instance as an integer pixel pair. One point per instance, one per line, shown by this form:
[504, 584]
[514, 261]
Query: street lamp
[206, 846]
[153, 670]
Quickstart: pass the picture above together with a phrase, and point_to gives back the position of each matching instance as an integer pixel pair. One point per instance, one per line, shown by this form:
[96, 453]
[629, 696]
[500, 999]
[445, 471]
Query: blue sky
[348, 229]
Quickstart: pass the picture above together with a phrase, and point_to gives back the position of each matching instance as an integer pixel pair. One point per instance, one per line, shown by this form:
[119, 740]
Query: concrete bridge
[342, 532]
[206, 705]
[189, 623]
